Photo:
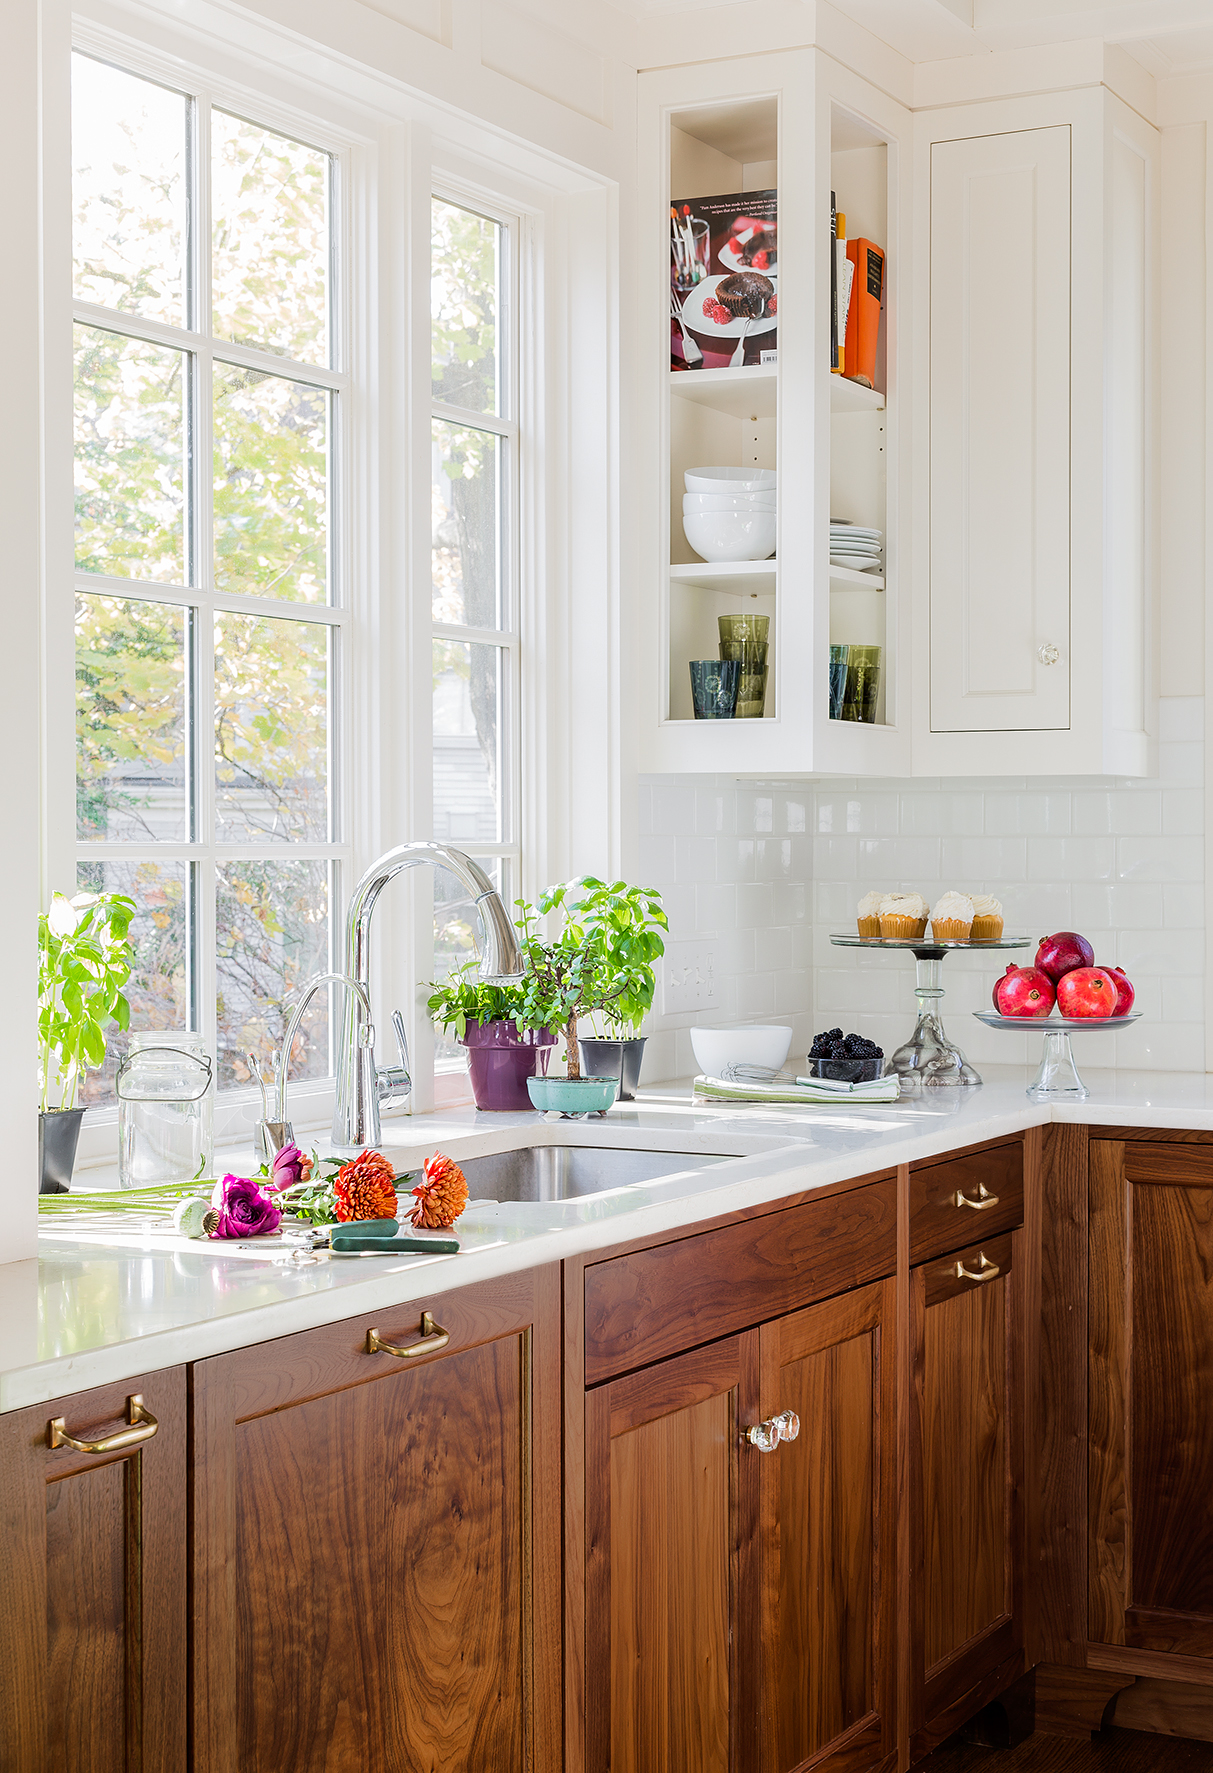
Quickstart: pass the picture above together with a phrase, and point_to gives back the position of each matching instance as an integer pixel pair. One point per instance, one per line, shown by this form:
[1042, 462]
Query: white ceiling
[1168, 37]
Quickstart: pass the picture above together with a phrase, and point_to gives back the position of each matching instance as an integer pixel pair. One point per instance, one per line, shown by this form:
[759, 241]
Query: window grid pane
[260, 721]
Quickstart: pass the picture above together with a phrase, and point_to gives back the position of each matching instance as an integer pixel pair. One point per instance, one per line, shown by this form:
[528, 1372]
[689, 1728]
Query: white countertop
[97, 1307]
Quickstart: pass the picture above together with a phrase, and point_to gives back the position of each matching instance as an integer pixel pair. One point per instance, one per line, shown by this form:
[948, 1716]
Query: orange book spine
[863, 321]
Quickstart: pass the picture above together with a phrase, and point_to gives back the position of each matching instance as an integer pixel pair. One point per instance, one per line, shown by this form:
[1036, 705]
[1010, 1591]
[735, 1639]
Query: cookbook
[724, 280]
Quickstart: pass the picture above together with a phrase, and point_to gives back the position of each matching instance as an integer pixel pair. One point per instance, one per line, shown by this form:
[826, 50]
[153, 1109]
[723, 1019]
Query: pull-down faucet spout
[360, 1085]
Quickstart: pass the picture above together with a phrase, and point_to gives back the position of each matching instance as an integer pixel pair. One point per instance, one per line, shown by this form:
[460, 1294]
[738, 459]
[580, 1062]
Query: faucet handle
[393, 1083]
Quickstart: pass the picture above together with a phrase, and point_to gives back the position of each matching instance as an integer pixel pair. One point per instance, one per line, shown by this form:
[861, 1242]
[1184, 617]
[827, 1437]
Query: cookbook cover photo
[724, 280]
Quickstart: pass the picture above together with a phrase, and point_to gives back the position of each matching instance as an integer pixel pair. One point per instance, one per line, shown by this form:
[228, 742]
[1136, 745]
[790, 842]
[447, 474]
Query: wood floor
[1112, 1751]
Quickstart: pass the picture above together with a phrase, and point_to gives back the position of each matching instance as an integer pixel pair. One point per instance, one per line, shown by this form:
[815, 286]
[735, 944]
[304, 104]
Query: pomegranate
[1024, 991]
[1089, 992]
[1063, 952]
[1124, 990]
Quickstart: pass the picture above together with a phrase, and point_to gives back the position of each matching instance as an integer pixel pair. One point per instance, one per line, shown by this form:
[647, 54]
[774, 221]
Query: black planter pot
[615, 1058]
[58, 1133]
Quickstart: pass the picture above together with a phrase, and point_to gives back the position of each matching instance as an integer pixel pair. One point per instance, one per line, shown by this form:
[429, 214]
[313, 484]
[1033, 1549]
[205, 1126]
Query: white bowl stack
[730, 513]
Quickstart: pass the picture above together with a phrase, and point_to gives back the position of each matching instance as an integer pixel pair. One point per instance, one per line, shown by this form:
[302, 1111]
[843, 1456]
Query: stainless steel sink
[567, 1172]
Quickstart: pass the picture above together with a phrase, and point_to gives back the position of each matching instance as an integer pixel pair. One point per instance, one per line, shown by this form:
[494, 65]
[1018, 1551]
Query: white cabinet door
[1000, 487]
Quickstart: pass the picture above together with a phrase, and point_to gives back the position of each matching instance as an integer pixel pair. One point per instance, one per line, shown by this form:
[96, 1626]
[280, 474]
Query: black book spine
[833, 282]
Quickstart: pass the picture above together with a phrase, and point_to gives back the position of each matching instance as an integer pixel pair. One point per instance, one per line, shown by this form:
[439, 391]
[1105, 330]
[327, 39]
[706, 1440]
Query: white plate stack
[854, 546]
[730, 513]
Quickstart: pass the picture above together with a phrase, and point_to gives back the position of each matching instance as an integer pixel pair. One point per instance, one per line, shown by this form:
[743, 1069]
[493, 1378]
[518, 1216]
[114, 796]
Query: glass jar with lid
[165, 1110]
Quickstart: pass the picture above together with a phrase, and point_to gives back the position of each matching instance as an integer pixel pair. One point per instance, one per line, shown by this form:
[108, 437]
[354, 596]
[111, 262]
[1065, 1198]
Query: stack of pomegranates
[1064, 973]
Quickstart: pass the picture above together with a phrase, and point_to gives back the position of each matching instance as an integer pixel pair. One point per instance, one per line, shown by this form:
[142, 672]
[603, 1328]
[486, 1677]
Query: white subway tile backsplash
[1071, 858]
[767, 870]
[1119, 812]
[1027, 815]
[1150, 858]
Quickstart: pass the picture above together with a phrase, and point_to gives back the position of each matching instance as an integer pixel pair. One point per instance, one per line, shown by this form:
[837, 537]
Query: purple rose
[287, 1167]
[244, 1211]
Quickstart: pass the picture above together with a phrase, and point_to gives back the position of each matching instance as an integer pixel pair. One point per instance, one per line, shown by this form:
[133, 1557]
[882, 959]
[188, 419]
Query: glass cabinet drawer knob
[1047, 653]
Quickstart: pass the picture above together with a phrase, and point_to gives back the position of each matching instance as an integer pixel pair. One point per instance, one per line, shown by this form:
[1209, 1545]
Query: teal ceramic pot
[572, 1095]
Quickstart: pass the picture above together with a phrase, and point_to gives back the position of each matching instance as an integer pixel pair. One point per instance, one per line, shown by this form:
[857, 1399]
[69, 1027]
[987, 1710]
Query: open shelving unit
[799, 123]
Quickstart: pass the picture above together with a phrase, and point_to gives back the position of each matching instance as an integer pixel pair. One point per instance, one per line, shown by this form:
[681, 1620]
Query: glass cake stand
[929, 1057]
[1058, 1074]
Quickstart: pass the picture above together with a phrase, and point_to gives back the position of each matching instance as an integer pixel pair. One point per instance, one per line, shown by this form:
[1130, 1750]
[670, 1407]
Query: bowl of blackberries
[845, 1058]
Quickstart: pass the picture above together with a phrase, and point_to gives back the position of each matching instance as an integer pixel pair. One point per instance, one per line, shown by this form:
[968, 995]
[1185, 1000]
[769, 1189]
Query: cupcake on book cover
[903, 916]
[952, 918]
[987, 918]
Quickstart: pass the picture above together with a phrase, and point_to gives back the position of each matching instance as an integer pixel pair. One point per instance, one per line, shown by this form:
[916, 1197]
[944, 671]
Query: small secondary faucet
[361, 1086]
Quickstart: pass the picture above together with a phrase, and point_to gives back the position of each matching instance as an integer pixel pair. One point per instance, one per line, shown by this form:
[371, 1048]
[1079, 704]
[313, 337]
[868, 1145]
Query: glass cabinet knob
[1047, 653]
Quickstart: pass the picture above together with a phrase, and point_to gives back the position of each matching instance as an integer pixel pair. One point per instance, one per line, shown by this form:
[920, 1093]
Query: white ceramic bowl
[730, 479]
[730, 535]
[760, 501]
[715, 1048]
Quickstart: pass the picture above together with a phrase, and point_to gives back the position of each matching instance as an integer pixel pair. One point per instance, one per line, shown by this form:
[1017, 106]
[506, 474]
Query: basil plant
[84, 960]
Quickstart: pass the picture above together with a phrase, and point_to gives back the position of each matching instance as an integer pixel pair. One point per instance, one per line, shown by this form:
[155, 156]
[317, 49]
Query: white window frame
[401, 144]
[202, 856]
[450, 1082]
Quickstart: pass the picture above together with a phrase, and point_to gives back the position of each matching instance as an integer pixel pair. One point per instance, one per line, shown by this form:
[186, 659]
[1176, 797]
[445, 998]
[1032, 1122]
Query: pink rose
[244, 1211]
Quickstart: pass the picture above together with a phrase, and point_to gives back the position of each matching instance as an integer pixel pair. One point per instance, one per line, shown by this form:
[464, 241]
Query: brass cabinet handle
[767, 1435]
[143, 1426]
[987, 1270]
[984, 1199]
[432, 1336]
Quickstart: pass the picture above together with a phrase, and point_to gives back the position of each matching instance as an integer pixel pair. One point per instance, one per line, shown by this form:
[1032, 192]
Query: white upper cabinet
[1034, 581]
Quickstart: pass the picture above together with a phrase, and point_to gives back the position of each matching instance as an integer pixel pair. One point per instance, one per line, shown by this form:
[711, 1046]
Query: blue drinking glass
[714, 684]
[838, 679]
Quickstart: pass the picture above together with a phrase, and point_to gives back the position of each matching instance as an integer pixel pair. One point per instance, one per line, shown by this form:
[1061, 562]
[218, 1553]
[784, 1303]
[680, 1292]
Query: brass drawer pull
[767, 1435]
[143, 1426]
[984, 1199]
[987, 1270]
[433, 1336]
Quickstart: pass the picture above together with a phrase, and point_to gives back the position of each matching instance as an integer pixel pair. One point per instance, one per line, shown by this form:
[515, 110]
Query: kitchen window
[473, 553]
[210, 586]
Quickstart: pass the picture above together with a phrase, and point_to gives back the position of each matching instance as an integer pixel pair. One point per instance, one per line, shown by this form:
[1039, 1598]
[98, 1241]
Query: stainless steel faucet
[361, 1085]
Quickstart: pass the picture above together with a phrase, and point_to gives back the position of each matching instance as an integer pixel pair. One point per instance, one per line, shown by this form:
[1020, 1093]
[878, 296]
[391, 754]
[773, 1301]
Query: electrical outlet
[689, 979]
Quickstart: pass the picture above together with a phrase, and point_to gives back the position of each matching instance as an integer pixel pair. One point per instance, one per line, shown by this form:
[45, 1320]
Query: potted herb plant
[502, 1052]
[600, 960]
[631, 927]
[84, 960]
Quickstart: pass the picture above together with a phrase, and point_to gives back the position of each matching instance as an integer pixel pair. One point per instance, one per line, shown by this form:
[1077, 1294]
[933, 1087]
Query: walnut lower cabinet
[93, 1581]
[739, 1602]
[376, 1544]
[1150, 1458]
[966, 1484]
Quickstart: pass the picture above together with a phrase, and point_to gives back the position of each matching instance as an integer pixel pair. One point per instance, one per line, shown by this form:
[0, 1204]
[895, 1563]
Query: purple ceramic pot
[500, 1061]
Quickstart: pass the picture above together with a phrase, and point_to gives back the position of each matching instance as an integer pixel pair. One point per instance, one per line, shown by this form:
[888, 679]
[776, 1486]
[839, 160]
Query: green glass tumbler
[744, 638]
[863, 684]
[838, 679]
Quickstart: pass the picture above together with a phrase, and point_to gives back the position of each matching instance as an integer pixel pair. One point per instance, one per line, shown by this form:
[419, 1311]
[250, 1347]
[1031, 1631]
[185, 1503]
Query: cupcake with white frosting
[868, 914]
[987, 918]
[952, 918]
[903, 916]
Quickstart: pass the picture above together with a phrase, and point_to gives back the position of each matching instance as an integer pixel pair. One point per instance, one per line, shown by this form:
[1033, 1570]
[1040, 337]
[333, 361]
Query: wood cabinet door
[376, 1547]
[966, 1484]
[1150, 1396]
[671, 1566]
[1000, 513]
[92, 1583]
[829, 1536]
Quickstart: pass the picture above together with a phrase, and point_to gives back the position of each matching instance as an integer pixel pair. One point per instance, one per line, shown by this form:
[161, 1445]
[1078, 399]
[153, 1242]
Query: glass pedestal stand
[1057, 1076]
[929, 1059]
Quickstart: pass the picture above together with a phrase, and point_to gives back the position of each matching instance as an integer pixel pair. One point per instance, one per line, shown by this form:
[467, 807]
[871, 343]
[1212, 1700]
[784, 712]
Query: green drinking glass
[863, 683]
[745, 638]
